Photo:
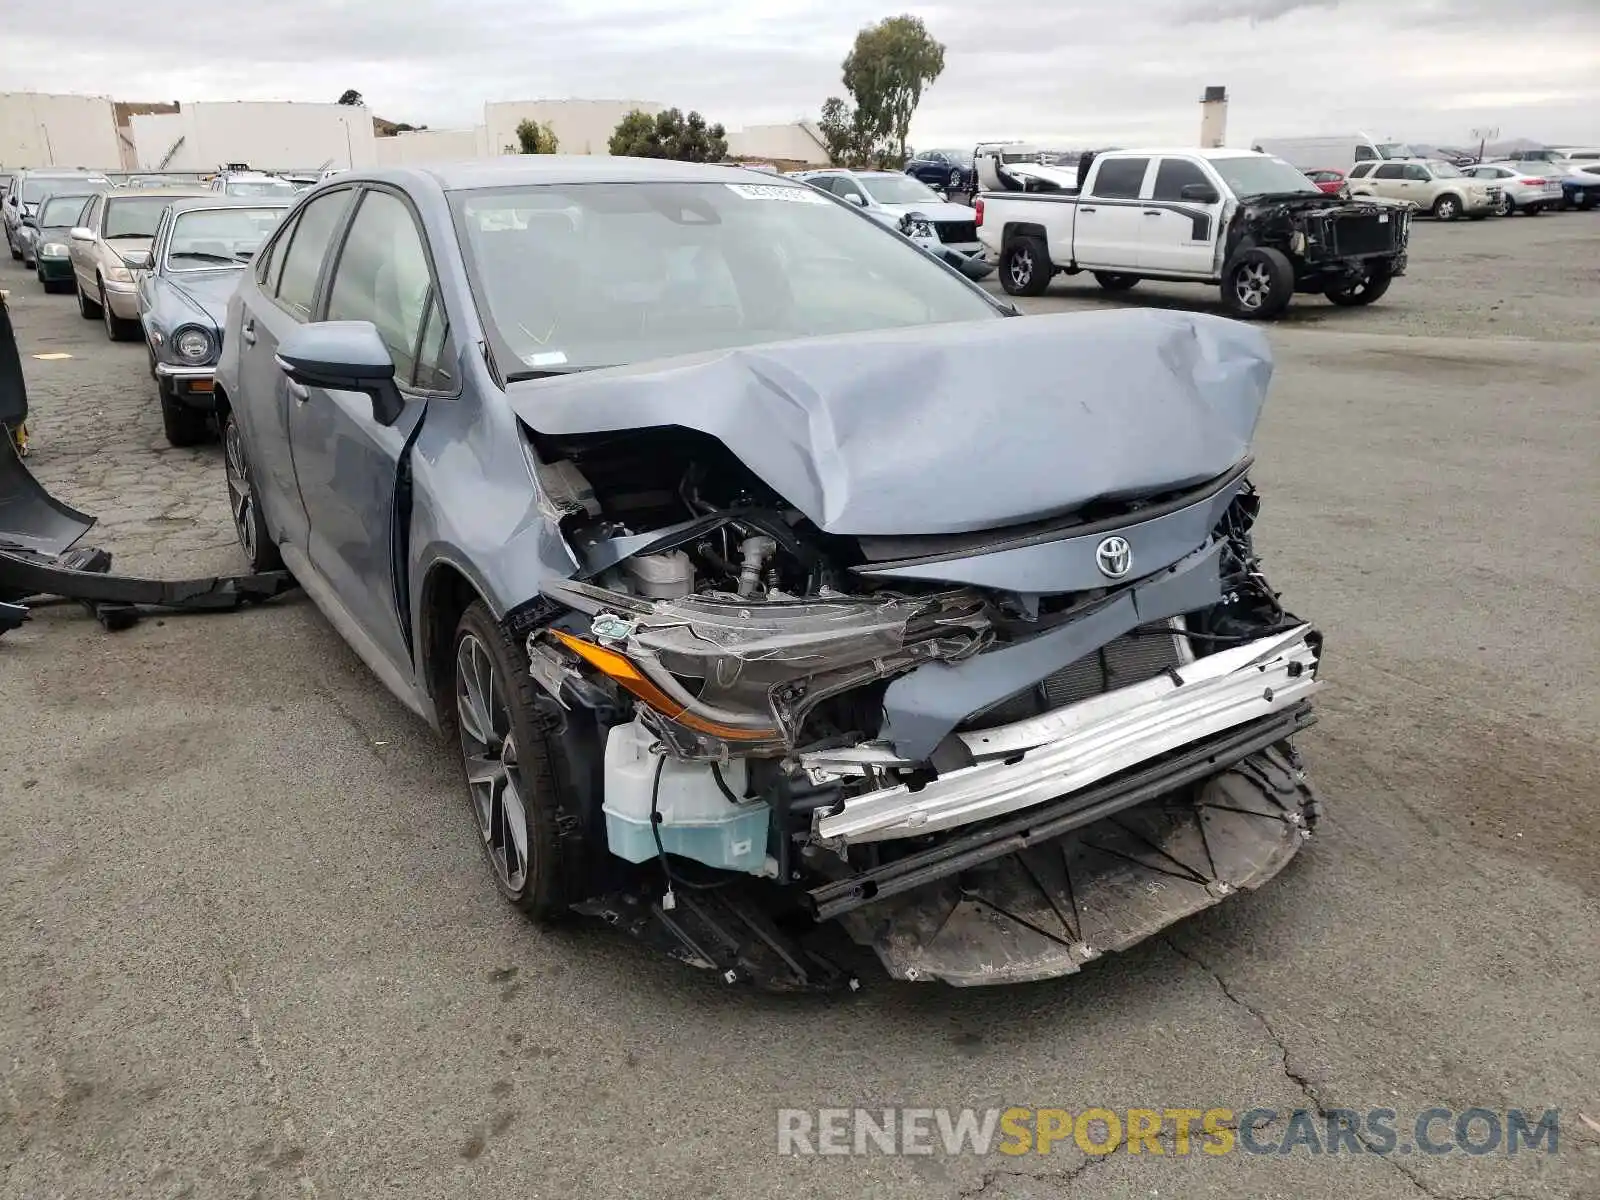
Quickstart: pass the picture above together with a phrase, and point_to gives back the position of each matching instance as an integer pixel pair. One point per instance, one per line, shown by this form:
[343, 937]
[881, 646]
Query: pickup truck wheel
[1112, 282]
[1258, 283]
[1025, 268]
[1447, 208]
[1356, 294]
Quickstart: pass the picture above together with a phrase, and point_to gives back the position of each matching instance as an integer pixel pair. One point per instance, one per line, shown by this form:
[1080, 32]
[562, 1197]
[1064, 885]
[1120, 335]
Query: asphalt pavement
[248, 947]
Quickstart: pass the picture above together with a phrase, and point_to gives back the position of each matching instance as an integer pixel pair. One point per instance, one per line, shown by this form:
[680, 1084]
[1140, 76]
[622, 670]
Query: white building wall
[798, 141]
[431, 146]
[581, 126]
[39, 129]
[266, 134]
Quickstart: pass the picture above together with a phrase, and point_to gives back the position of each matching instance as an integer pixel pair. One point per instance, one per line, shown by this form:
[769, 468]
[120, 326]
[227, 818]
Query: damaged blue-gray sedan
[778, 588]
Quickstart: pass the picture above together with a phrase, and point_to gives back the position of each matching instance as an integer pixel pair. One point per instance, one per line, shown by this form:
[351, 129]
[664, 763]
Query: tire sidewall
[555, 840]
[266, 557]
[1038, 277]
[1447, 208]
[1281, 292]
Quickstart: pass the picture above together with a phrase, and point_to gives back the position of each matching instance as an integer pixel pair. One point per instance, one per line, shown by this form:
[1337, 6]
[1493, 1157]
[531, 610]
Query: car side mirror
[343, 356]
[81, 234]
[1200, 193]
[30, 222]
[857, 199]
[139, 260]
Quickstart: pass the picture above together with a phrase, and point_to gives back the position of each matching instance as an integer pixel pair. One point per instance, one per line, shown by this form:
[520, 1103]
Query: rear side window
[1362, 171]
[1120, 178]
[383, 277]
[307, 246]
[1173, 175]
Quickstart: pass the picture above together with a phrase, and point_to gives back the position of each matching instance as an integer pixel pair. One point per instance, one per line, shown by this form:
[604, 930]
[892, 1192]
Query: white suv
[1431, 185]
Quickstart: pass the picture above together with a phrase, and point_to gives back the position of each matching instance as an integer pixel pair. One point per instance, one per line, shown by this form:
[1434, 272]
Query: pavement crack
[1309, 1090]
[994, 1175]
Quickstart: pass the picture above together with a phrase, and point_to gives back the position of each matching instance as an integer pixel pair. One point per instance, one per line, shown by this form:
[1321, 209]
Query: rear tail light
[1531, 182]
[977, 210]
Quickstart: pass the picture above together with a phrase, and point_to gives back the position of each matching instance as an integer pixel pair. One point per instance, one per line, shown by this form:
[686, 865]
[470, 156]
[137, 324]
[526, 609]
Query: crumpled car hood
[950, 428]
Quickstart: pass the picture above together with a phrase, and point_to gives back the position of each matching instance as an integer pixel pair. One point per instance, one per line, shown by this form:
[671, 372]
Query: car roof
[1210, 152]
[211, 200]
[509, 171]
[145, 193]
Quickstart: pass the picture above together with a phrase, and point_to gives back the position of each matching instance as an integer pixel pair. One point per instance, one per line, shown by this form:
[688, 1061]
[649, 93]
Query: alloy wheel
[105, 315]
[1021, 267]
[489, 749]
[1252, 284]
[241, 498]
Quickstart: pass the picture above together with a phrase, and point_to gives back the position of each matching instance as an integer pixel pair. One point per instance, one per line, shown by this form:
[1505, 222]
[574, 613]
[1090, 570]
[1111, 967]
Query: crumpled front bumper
[1029, 762]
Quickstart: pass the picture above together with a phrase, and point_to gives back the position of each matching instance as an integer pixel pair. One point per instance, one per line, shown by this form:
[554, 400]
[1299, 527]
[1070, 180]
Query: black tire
[1533, 210]
[118, 329]
[87, 308]
[1025, 268]
[1258, 284]
[1507, 206]
[1585, 202]
[1447, 207]
[184, 426]
[1368, 291]
[1112, 282]
[531, 760]
[254, 539]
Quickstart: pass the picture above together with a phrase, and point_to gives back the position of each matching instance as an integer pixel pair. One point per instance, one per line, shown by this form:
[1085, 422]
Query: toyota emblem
[1114, 557]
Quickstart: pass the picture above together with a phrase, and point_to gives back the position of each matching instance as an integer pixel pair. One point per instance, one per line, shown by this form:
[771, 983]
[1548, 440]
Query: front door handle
[1086, 210]
[1152, 212]
[248, 332]
[298, 392]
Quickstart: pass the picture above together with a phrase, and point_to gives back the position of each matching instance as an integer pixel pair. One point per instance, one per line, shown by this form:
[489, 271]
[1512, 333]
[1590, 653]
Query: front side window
[133, 216]
[1419, 174]
[219, 237]
[1173, 175]
[382, 276]
[1443, 170]
[1120, 178]
[1390, 171]
[302, 261]
[576, 276]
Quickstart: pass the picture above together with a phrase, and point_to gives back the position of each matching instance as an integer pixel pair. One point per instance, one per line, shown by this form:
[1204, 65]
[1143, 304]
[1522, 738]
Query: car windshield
[898, 189]
[62, 211]
[1444, 170]
[1395, 150]
[219, 237]
[260, 187]
[133, 216]
[577, 276]
[1260, 176]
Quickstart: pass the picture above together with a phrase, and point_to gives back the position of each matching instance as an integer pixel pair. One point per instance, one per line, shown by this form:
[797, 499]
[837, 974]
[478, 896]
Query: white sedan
[1525, 187]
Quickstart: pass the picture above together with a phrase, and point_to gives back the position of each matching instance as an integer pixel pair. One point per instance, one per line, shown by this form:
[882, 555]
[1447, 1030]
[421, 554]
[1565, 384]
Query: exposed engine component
[659, 576]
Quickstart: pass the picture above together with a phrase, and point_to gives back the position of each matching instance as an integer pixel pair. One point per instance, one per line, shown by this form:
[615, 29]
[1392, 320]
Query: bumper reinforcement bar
[964, 851]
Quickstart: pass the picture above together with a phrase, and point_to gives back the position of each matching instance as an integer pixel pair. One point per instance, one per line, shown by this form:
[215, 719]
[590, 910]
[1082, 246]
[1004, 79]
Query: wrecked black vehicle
[763, 621]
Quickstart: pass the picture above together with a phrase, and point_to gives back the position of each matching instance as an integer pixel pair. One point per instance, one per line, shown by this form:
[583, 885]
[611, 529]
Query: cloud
[1255, 11]
[1076, 71]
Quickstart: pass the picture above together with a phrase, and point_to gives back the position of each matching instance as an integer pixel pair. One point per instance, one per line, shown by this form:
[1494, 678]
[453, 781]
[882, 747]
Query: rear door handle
[1087, 210]
[298, 392]
[248, 332]
[1152, 212]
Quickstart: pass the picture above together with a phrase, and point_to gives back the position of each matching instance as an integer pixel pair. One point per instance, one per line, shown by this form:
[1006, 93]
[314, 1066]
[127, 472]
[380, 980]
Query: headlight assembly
[193, 344]
[119, 275]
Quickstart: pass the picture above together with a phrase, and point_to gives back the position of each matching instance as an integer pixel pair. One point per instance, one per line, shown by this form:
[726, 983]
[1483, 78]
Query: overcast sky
[1083, 72]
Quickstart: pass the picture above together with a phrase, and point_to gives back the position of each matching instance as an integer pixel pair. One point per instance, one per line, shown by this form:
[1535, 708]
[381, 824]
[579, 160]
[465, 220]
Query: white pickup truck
[1240, 220]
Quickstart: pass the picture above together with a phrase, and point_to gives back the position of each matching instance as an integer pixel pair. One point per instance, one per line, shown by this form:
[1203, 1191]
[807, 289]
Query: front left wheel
[1259, 283]
[118, 329]
[510, 754]
[248, 525]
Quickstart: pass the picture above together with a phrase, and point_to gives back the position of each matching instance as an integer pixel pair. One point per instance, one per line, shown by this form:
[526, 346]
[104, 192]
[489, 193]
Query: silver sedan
[1525, 187]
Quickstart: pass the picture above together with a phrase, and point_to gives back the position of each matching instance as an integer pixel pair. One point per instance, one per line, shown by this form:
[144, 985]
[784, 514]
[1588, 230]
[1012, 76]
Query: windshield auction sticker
[776, 191]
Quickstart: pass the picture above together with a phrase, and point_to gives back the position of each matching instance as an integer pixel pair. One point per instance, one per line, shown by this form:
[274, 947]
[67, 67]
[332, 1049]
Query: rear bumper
[1030, 762]
[55, 270]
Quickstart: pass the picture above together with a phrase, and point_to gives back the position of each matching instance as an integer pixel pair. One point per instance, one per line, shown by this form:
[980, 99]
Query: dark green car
[48, 237]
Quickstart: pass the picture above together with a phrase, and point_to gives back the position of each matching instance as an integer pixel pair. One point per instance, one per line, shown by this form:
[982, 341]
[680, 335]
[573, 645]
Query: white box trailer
[38, 129]
[1339, 152]
[269, 135]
